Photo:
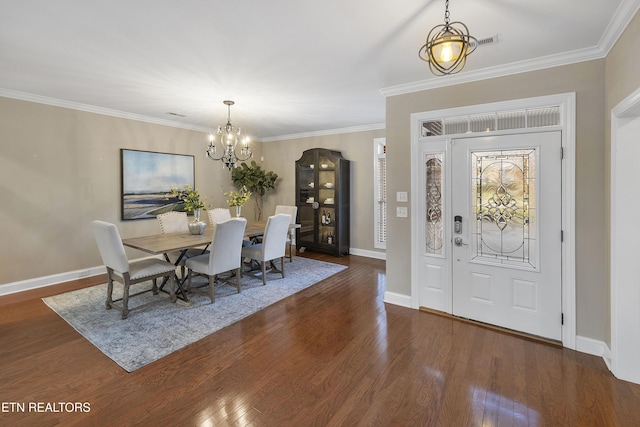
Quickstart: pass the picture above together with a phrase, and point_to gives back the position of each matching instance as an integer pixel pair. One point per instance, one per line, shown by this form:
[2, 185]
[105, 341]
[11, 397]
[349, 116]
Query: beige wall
[586, 80]
[357, 147]
[60, 169]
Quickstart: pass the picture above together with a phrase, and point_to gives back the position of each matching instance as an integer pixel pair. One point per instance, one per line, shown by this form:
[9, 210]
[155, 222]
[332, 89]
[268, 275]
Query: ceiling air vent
[488, 40]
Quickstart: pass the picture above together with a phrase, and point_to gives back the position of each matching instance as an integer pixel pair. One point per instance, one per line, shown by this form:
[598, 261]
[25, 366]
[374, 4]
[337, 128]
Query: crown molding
[550, 61]
[623, 16]
[23, 96]
[377, 126]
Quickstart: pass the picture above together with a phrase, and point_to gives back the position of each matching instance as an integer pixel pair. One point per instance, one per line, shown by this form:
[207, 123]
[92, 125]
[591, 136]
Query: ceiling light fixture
[229, 138]
[447, 46]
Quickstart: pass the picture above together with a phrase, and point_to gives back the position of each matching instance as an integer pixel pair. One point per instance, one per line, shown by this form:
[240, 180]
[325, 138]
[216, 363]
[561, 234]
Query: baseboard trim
[595, 348]
[397, 299]
[368, 253]
[54, 279]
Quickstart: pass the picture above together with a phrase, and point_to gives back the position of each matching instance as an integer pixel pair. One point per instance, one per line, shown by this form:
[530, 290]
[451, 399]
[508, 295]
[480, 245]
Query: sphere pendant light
[447, 46]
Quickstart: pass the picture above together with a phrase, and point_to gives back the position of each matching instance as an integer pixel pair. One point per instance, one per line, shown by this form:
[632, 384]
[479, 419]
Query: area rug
[145, 337]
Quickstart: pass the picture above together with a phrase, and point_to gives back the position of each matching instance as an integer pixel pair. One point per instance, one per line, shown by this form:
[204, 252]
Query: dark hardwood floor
[333, 354]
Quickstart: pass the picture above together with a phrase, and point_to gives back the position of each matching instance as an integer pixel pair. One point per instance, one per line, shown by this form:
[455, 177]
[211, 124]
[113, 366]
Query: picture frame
[147, 178]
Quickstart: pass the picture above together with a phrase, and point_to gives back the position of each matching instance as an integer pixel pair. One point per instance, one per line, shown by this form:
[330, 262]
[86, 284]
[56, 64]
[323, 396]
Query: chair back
[110, 246]
[173, 222]
[275, 236]
[218, 215]
[226, 245]
[289, 210]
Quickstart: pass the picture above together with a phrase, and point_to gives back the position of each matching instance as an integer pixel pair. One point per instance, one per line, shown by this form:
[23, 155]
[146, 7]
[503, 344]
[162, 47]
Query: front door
[497, 204]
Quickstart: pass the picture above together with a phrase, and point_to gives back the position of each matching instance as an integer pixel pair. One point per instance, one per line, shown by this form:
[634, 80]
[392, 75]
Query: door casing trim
[624, 339]
[567, 103]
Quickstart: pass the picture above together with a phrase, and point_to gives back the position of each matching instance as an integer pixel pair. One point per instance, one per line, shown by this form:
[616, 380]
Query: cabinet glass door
[307, 200]
[327, 200]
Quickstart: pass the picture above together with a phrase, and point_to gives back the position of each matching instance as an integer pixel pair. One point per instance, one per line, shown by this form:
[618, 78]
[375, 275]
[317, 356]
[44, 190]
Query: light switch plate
[401, 196]
[401, 212]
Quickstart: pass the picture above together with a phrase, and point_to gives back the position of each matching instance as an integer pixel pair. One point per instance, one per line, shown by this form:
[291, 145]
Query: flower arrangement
[189, 196]
[238, 198]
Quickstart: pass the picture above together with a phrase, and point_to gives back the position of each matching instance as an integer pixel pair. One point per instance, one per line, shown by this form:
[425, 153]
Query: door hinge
[561, 153]
[562, 318]
[562, 235]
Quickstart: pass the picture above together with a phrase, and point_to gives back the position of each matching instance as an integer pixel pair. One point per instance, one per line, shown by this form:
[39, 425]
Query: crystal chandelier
[447, 46]
[229, 138]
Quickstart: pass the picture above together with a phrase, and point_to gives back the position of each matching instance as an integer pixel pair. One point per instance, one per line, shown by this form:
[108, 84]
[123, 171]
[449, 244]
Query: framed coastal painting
[147, 180]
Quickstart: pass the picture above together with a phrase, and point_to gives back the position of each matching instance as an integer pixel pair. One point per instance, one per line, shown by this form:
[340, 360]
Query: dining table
[163, 243]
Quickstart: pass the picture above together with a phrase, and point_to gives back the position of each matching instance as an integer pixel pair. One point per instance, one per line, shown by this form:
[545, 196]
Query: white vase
[238, 211]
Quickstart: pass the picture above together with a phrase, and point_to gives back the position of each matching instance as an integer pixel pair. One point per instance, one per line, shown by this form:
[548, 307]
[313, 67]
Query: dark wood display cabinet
[322, 197]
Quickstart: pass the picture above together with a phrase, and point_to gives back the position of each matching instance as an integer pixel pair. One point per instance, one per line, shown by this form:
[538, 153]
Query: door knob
[458, 242]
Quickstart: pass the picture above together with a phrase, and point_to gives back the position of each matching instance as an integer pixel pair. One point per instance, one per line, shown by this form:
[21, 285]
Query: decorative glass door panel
[503, 202]
[434, 263]
[434, 207]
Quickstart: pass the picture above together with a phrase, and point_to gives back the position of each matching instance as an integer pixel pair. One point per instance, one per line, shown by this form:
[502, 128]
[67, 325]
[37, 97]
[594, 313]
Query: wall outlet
[401, 196]
[401, 212]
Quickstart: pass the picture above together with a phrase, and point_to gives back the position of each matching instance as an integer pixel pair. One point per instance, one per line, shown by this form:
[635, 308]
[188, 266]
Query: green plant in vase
[238, 198]
[190, 199]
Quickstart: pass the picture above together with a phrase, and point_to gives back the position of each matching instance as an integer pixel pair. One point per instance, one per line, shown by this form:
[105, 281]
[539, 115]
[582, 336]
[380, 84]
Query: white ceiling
[292, 67]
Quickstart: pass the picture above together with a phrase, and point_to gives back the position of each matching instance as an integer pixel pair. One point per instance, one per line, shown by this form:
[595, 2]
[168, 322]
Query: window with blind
[380, 196]
[505, 120]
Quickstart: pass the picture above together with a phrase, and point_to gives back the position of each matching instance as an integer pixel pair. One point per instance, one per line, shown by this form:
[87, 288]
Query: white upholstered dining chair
[119, 268]
[273, 244]
[224, 255]
[218, 215]
[293, 212]
[175, 222]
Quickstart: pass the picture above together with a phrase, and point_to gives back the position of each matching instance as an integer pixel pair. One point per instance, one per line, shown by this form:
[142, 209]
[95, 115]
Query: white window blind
[380, 210]
[516, 119]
